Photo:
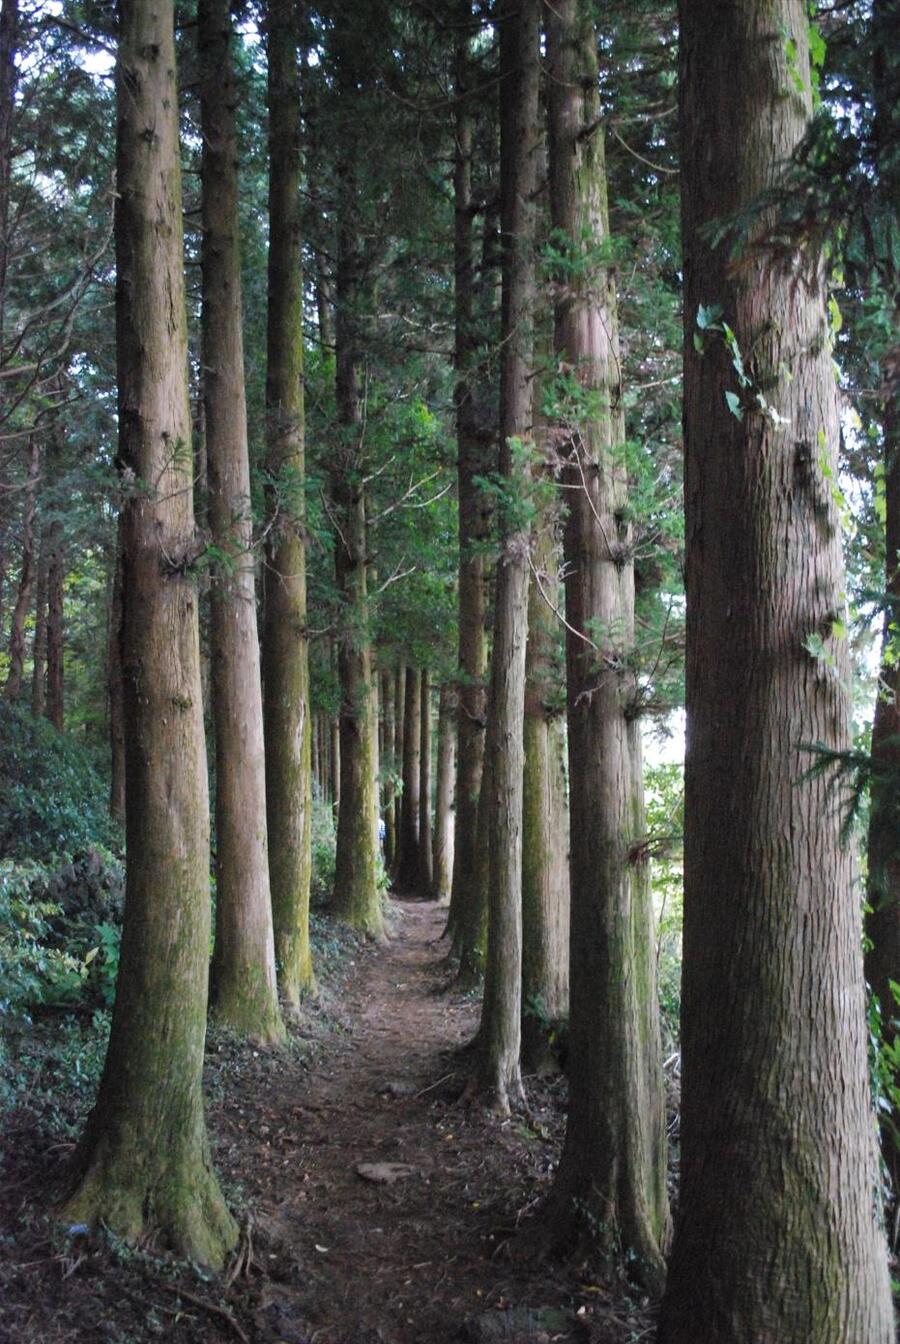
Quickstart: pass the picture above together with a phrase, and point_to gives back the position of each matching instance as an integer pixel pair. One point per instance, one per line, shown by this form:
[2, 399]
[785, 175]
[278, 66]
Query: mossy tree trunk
[443, 803]
[356, 898]
[498, 1074]
[611, 1182]
[545, 819]
[410, 801]
[426, 855]
[464, 919]
[143, 1164]
[285, 637]
[778, 1235]
[244, 991]
[115, 688]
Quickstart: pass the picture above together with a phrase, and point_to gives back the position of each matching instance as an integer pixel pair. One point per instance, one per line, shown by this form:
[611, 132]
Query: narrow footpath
[384, 1209]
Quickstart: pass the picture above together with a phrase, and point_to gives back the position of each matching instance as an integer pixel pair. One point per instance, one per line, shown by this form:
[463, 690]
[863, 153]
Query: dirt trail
[393, 1260]
[418, 1253]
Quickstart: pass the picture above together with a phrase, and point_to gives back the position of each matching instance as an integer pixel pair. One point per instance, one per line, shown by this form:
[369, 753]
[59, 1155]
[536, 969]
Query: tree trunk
[9, 46]
[498, 1070]
[39, 643]
[426, 856]
[356, 897]
[545, 820]
[443, 806]
[14, 676]
[144, 1160]
[408, 873]
[778, 1234]
[611, 1179]
[285, 636]
[399, 740]
[244, 990]
[474, 524]
[389, 770]
[115, 688]
[56, 575]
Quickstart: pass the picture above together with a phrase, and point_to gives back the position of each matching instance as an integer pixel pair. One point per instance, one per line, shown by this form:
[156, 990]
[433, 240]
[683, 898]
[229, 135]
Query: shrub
[53, 800]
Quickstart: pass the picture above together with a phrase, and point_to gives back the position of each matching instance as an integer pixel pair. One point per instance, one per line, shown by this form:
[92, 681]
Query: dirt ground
[378, 1209]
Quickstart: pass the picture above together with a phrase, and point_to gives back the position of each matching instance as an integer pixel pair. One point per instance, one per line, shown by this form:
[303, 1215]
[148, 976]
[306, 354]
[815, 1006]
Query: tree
[613, 1165]
[476, 453]
[498, 1069]
[244, 990]
[144, 1158]
[285, 636]
[777, 1234]
[545, 819]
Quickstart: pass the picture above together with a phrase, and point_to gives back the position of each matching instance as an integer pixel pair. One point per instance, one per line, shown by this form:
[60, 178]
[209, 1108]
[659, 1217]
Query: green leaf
[708, 316]
[734, 405]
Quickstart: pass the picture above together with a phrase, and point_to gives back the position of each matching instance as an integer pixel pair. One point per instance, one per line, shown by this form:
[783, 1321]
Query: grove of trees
[406, 412]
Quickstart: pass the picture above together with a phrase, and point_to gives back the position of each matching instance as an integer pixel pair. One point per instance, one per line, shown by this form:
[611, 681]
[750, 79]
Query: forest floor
[378, 1208]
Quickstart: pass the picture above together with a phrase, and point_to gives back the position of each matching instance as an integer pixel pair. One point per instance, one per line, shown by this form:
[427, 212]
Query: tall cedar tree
[466, 916]
[778, 1235]
[545, 819]
[285, 634]
[144, 1161]
[498, 1069]
[356, 898]
[613, 1166]
[244, 991]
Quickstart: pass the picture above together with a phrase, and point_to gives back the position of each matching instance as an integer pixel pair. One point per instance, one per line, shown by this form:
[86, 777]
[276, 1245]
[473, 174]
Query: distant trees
[433, 494]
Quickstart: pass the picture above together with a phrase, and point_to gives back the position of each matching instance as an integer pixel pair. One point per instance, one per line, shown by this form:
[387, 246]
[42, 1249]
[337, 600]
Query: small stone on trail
[384, 1173]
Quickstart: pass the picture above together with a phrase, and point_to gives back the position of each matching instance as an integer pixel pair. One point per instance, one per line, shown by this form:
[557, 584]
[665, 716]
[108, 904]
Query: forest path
[419, 1258]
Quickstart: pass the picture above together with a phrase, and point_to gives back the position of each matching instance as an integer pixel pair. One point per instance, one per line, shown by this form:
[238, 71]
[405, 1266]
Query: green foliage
[884, 1065]
[53, 800]
[664, 801]
[324, 842]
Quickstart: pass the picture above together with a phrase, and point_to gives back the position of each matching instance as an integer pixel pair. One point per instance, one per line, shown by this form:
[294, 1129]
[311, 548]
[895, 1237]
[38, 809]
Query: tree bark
[388, 770]
[56, 576]
[285, 637]
[22, 606]
[244, 990]
[115, 689]
[144, 1160]
[425, 851]
[356, 898]
[778, 1234]
[9, 48]
[443, 806]
[545, 820]
[611, 1178]
[463, 922]
[39, 643]
[408, 872]
[498, 1070]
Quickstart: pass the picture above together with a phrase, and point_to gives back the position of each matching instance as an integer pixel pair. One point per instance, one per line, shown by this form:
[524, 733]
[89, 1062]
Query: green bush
[53, 800]
[324, 843]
